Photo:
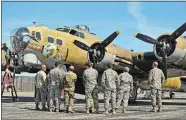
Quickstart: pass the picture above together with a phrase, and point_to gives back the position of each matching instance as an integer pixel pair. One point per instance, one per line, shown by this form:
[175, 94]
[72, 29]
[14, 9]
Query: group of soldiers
[116, 87]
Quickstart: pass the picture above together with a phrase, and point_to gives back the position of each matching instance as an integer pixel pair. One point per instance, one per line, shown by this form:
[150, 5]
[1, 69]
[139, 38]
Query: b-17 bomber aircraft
[38, 44]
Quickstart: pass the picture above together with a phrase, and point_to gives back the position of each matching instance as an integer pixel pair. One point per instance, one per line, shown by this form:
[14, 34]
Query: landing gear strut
[133, 95]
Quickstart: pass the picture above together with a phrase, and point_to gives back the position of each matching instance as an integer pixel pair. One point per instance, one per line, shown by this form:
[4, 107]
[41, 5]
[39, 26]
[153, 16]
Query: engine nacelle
[176, 53]
[108, 58]
[178, 57]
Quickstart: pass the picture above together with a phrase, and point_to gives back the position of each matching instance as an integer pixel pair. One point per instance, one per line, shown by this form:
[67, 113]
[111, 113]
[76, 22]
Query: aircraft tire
[172, 95]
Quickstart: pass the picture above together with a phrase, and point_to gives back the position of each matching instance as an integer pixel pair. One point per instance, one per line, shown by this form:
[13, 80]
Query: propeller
[164, 45]
[177, 33]
[108, 40]
[145, 38]
[82, 46]
[95, 52]
[164, 61]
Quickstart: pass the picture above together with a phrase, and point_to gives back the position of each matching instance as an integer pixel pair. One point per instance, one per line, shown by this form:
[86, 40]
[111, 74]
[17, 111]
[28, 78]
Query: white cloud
[143, 25]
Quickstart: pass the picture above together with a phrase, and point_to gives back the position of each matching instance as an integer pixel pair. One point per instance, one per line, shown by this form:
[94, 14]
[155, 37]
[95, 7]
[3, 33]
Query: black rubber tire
[172, 95]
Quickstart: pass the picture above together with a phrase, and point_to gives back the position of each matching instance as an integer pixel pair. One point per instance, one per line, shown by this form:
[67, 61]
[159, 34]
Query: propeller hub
[161, 44]
[99, 54]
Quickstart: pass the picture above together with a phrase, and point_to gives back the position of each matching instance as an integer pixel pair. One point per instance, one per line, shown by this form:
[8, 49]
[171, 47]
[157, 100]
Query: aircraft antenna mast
[34, 23]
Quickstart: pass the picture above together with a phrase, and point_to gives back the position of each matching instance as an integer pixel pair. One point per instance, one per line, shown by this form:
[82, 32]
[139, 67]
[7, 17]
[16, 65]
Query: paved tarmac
[24, 109]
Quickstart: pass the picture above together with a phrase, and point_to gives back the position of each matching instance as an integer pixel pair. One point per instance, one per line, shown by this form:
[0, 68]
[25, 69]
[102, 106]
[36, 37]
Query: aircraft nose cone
[19, 38]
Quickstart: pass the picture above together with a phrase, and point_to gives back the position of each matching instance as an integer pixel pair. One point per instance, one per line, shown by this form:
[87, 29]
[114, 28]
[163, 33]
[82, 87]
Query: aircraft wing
[143, 61]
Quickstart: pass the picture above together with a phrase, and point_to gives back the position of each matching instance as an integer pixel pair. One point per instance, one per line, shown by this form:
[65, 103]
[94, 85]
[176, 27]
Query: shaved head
[43, 67]
[155, 64]
[126, 69]
[89, 64]
[71, 68]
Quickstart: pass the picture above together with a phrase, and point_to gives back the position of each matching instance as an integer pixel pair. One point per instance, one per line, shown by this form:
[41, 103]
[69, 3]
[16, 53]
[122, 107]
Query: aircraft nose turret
[19, 38]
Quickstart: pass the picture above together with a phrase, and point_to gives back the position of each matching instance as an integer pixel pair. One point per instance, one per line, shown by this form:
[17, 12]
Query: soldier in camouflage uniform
[69, 87]
[90, 77]
[109, 79]
[156, 79]
[56, 77]
[41, 88]
[125, 86]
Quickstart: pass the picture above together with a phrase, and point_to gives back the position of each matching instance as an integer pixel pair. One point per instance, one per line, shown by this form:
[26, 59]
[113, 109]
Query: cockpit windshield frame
[71, 31]
[64, 29]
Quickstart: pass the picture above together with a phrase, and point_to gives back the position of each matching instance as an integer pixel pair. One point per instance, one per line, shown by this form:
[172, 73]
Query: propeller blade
[108, 40]
[82, 45]
[177, 33]
[164, 62]
[145, 38]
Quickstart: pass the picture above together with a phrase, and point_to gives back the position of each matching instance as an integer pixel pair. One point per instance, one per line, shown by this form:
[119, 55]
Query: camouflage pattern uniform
[41, 88]
[124, 85]
[90, 77]
[109, 79]
[156, 79]
[56, 84]
[69, 87]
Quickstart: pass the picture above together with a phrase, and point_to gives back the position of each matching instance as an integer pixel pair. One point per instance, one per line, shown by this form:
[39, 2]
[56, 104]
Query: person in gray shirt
[156, 79]
[125, 86]
[109, 79]
[90, 77]
[56, 77]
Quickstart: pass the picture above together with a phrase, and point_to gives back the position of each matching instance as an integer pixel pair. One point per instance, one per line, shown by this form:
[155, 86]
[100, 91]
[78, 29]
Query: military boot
[113, 111]
[57, 110]
[92, 110]
[48, 108]
[37, 107]
[124, 110]
[51, 109]
[153, 109]
[97, 110]
[159, 109]
[67, 110]
[87, 111]
[70, 109]
[106, 112]
[44, 108]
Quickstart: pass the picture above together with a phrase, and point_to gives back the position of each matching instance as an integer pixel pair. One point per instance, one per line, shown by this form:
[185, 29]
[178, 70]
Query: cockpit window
[50, 40]
[63, 29]
[59, 42]
[74, 32]
[38, 36]
[81, 35]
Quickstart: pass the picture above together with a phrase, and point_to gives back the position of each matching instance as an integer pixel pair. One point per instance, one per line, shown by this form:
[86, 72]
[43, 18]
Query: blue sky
[150, 18]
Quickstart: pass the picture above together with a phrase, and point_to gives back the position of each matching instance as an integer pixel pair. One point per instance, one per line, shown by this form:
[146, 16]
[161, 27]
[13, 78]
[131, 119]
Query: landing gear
[133, 95]
[172, 95]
